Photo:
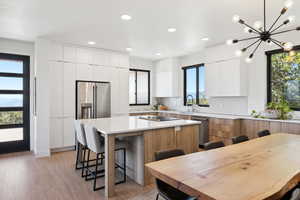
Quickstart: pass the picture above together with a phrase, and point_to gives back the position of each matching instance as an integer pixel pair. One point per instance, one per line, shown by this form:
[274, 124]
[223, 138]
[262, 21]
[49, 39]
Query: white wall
[140, 63]
[22, 48]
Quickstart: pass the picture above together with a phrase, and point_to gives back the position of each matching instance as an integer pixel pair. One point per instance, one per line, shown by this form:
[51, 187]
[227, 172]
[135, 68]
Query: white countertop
[215, 115]
[129, 124]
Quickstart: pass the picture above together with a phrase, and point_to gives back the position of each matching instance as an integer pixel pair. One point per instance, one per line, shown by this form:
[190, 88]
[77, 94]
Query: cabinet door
[84, 72]
[70, 54]
[84, 56]
[56, 52]
[69, 89]
[164, 87]
[229, 77]
[124, 61]
[56, 89]
[115, 101]
[69, 132]
[101, 58]
[123, 91]
[102, 73]
[187, 138]
[56, 133]
[212, 79]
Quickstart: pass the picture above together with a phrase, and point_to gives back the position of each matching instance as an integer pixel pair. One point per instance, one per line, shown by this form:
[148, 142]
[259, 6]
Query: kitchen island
[145, 137]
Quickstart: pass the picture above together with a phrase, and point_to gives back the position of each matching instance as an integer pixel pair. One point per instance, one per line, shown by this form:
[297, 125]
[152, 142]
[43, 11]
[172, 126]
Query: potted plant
[278, 110]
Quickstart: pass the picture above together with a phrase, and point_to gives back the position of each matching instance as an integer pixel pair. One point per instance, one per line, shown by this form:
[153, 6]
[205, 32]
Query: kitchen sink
[157, 118]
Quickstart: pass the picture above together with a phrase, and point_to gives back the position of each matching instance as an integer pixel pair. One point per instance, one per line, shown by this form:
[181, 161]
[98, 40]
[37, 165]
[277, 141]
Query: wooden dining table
[260, 169]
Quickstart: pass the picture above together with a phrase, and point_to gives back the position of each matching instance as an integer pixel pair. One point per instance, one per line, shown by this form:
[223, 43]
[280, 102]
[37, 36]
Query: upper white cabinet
[101, 58]
[102, 73]
[56, 52]
[69, 89]
[84, 72]
[166, 78]
[226, 78]
[70, 54]
[84, 56]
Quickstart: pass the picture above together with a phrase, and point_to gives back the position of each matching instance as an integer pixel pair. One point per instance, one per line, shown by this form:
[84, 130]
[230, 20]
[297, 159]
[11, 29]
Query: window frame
[148, 102]
[269, 72]
[197, 67]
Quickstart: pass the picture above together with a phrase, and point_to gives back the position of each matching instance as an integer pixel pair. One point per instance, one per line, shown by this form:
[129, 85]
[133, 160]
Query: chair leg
[87, 166]
[157, 196]
[96, 170]
[124, 170]
[77, 156]
[83, 162]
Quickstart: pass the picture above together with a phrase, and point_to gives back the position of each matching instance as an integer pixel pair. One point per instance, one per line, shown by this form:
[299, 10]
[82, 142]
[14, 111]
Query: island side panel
[186, 138]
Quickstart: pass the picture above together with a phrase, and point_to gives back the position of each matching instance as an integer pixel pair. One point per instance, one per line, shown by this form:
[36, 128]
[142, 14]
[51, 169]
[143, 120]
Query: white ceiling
[80, 21]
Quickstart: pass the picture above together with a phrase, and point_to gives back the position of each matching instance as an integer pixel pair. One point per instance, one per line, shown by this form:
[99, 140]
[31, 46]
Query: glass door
[14, 103]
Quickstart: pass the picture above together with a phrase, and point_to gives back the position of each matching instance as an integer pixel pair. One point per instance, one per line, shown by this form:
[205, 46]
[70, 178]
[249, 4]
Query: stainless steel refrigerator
[93, 99]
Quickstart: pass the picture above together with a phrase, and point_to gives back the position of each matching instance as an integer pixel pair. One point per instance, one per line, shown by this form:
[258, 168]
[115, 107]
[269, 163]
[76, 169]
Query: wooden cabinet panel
[223, 129]
[156, 140]
[187, 139]
[291, 128]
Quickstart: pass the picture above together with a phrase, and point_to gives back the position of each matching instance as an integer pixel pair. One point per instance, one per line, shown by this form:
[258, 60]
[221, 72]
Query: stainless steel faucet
[190, 105]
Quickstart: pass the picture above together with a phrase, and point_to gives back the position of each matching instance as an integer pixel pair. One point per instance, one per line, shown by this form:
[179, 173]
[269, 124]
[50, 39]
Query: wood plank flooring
[24, 177]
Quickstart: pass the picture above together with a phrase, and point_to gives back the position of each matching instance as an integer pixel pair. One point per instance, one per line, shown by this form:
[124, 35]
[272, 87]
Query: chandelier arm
[252, 44]
[270, 29]
[278, 27]
[276, 43]
[279, 42]
[257, 31]
[256, 47]
[265, 18]
[284, 31]
[251, 38]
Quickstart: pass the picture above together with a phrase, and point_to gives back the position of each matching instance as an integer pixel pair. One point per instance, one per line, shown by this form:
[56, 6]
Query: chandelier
[262, 33]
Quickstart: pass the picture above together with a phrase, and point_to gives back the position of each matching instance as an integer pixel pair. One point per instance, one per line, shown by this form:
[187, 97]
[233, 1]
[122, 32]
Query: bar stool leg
[77, 157]
[96, 170]
[83, 161]
[87, 166]
[124, 170]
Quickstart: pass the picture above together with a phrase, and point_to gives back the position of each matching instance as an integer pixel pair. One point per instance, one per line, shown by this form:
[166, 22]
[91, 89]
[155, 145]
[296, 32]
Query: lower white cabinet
[62, 133]
[69, 85]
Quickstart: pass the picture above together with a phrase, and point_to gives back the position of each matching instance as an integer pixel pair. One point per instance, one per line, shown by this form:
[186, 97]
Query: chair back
[213, 145]
[161, 155]
[263, 133]
[239, 139]
[93, 139]
[80, 133]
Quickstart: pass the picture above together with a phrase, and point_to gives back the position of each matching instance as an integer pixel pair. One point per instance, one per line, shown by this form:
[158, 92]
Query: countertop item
[215, 115]
[262, 168]
[129, 124]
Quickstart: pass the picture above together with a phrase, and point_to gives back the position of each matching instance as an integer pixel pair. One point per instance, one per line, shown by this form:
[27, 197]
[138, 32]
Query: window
[139, 87]
[194, 85]
[284, 77]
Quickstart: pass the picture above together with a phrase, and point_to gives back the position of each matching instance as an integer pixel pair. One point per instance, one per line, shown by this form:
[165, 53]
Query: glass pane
[191, 82]
[11, 100]
[132, 87]
[202, 95]
[10, 66]
[142, 87]
[285, 81]
[11, 134]
[9, 83]
[11, 117]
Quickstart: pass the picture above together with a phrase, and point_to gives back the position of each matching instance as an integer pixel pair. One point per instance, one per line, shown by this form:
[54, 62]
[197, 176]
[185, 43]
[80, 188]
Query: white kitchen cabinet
[70, 54]
[68, 132]
[84, 72]
[119, 92]
[226, 78]
[84, 56]
[103, 74]
[69, 84]
[124, 61]
[56, 52]
[56, 133]
[56, 88]
[166, 78]
[101, 58]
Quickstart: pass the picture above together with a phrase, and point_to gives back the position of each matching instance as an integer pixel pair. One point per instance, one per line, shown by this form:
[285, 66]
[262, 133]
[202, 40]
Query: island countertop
[129, 124]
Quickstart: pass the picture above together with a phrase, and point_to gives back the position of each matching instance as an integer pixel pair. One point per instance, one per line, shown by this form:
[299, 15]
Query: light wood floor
[24, 177]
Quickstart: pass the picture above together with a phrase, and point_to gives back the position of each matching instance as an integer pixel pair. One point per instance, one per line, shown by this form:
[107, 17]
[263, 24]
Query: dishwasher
[203, 130]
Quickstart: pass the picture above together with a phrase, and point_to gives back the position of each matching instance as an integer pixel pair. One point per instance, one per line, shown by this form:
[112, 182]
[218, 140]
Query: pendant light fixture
[262, 33]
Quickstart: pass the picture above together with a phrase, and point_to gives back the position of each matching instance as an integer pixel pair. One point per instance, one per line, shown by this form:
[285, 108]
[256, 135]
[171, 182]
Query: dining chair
[239, 139]
[95, 143]
[263, 133]
[213, 145]
[165, 190]
[294, 194]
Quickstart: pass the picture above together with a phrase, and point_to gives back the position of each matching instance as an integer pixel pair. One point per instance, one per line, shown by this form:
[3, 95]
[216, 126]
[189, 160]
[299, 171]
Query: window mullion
[197, 85]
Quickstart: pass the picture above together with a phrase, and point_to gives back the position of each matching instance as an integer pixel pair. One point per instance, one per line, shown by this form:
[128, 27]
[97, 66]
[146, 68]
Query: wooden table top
[262, 168]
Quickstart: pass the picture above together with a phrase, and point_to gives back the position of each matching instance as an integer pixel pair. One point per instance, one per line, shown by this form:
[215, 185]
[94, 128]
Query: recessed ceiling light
[205, 39]
[128, 49]
[158, 54]
[91, 43]
[171, 30]
[126, 17]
